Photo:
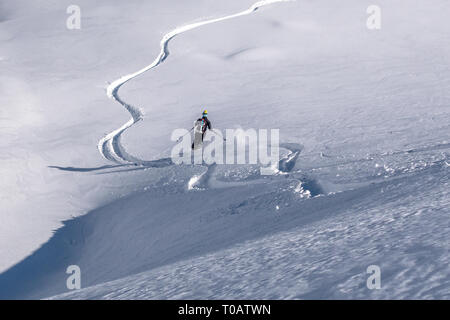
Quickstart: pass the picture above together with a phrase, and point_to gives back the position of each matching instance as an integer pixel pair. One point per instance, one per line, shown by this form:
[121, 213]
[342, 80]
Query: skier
[205, 123]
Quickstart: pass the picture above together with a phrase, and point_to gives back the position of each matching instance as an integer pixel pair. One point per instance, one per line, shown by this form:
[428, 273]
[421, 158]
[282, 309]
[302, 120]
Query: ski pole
[175, 142]
[185, 134]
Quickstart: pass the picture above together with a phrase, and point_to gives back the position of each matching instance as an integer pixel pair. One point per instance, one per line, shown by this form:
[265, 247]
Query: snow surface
[364, 121]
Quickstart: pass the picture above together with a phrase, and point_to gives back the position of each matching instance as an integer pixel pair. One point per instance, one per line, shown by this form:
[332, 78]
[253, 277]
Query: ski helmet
[205, 112]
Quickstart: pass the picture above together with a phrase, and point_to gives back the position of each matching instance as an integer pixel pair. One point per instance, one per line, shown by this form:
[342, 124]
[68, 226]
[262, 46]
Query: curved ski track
[110, 146]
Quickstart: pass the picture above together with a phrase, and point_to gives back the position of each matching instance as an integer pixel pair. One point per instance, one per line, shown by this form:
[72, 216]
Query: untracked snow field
[86, 118]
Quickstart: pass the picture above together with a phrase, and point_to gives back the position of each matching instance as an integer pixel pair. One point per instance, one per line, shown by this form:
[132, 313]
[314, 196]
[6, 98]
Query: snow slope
[52, 92]
[314, 253]
[109, 146]
[364, 122]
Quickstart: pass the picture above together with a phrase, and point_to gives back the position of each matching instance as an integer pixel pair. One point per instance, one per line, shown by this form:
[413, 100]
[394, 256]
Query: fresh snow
[364, 123]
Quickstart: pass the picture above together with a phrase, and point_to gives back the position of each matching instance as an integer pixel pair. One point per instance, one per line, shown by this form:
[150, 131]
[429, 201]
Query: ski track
[110, 146]
[286, 165]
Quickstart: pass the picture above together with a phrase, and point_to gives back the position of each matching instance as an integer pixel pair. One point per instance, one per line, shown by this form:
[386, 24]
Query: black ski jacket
[207, 124]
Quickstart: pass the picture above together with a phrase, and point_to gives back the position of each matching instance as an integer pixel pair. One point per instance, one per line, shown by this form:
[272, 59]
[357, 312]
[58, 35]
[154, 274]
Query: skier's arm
[208, 123]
